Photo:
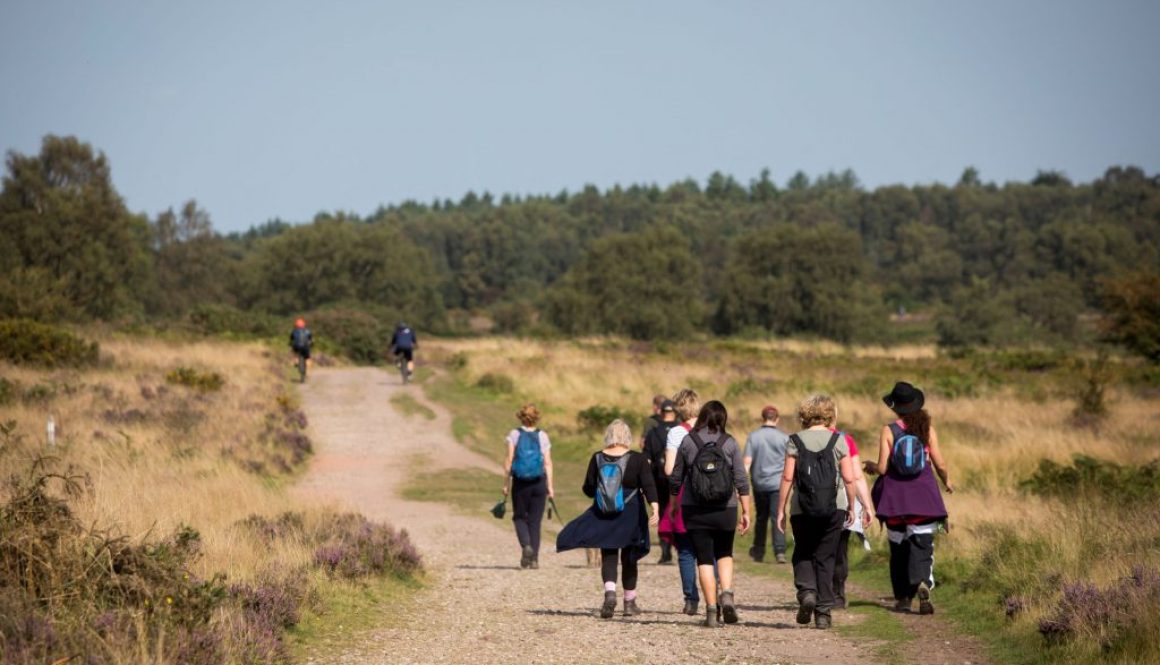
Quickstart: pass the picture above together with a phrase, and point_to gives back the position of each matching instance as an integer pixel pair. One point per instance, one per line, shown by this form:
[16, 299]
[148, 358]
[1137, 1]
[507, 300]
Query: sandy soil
[481, 608]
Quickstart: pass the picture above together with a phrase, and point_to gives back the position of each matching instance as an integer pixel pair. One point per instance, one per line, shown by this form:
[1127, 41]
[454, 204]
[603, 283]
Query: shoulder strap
[797, 441]
[833, 442]
[696, 440]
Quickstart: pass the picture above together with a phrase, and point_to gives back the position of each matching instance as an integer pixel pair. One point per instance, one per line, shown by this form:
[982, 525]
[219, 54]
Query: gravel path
[480, 607]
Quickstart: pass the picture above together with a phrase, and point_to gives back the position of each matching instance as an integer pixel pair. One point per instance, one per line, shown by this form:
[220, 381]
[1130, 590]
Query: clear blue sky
[284, 109]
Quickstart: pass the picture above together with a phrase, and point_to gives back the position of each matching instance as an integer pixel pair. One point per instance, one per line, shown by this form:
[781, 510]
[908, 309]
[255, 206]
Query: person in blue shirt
[404, 343]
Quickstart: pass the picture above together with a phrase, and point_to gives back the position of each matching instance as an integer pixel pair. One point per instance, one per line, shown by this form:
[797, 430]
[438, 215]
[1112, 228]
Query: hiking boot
[728, 609]
[526, 556]
[535, 564]
[902, 604]
[690, 608]
[781, 557]
[822, 621]
[712, 616]
[609, 606]
[757, 555]
[924, 604]
[666, 559]
[806, 607]
[630, 608]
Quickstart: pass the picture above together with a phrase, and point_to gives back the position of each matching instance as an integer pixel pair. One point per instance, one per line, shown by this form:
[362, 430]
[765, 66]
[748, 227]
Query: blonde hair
[528, 414]
[687, 403]
[618, 433]
[817, 409]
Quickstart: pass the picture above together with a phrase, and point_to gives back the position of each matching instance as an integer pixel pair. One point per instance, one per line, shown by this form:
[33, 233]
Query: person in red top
[842, 559]
[908, 500]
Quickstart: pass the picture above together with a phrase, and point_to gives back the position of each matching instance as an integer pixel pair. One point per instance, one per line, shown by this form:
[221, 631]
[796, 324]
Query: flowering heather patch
[347, 545]
[356, 547]
[1106, 616]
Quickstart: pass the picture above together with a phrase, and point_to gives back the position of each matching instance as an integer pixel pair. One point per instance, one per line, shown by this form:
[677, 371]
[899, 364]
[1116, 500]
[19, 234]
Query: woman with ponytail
[906, 496]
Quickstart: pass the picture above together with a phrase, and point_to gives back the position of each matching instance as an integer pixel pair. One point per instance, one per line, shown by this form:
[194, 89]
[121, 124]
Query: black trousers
[627, 564]
[528, 500]
[841, 568]
[814, 551]
[911, 563]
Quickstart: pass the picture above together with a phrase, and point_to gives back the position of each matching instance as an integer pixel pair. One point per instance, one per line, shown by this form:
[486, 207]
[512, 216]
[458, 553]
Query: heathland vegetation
[143, 516]
[1052, 553]
[155, 529]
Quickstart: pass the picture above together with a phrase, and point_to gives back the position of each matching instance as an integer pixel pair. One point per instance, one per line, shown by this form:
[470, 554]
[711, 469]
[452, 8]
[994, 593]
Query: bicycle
[401, 364]
[301, 368]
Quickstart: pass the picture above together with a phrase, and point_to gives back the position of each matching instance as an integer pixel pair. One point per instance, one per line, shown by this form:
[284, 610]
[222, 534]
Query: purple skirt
[908, 498]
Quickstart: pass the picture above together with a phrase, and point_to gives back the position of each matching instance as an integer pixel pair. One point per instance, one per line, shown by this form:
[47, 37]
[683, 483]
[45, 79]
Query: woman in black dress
[617, 523]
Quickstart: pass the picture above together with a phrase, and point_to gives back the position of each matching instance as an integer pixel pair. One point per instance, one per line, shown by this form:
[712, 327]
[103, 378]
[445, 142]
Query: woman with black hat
[906, 496]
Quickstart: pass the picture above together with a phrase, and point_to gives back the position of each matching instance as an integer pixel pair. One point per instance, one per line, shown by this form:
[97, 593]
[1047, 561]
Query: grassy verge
[343, 610]
[410, 406]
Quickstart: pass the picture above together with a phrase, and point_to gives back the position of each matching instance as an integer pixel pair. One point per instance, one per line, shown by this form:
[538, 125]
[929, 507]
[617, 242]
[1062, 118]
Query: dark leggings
[627, 562]
[911, 563]
[528, 500]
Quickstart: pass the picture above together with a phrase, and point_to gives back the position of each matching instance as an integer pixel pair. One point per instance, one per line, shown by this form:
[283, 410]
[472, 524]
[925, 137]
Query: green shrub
[355, 334]
[498, 383]
[1091, 477]
[211, 319]
[205, 382]
[9, 390]
[597, 417]
[24, 342]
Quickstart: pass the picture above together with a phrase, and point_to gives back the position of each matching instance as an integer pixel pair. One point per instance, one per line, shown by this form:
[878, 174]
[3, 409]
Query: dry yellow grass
[116, 423]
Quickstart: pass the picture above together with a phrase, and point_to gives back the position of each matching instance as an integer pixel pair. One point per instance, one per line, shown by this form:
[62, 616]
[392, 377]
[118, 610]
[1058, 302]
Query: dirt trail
[481, 608]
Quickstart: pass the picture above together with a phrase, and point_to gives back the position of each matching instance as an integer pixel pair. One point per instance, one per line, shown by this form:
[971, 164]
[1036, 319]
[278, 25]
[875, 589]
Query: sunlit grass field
[998, 416]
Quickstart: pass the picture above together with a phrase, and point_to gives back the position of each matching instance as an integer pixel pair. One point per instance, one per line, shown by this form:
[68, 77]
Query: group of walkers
[694, 483]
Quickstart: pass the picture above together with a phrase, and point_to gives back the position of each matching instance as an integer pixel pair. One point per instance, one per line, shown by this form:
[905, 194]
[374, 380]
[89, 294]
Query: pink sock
[630, 594]
[610, 586]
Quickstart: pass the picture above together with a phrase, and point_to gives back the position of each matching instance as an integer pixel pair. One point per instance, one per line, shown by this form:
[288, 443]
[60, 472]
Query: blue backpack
[528, 461]
[610, 496]
[908, 455]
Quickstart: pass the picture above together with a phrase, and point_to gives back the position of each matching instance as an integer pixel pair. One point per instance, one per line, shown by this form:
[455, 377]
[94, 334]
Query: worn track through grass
[479, 607]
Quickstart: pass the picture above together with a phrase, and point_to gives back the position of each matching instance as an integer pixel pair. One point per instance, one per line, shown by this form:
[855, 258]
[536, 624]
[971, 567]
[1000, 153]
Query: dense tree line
[822, 256]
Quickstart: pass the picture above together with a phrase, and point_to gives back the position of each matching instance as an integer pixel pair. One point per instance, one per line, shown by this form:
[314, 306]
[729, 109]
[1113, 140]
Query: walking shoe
[535, 564]
[924, 604]
[728, 609]
[526, 556]
[806, 607]
[712, 620]
[822, 621]
[781, 557]
[690, 608]
[609, 606]
[665, 560]
[630, 608]
[902, 604]
[756, 554]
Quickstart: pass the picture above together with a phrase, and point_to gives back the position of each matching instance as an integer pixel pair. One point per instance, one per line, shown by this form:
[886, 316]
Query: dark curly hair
[918, 424]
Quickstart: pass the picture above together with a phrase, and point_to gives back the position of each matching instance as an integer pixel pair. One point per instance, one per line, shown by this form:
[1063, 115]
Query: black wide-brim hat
[904, 398]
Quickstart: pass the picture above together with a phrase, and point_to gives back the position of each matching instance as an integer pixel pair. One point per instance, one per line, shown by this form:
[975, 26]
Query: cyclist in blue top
[404, 343]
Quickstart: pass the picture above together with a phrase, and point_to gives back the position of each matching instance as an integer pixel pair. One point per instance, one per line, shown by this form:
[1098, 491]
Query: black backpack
[300, 339]
[816, 478]
[710, 478]
[654, 448]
